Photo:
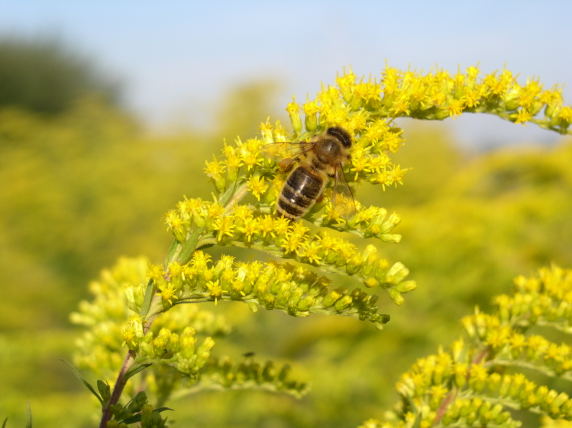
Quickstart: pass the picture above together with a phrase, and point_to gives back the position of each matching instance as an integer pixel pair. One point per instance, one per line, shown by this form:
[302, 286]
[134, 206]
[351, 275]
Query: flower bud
[311, 111]
[293, 110]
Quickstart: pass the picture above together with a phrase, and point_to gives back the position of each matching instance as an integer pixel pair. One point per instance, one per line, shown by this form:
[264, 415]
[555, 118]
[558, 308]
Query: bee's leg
[332, 174]
[320, 197]
[286, 165]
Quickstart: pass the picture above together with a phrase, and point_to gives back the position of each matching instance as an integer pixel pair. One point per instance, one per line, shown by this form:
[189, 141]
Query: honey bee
[318, 161]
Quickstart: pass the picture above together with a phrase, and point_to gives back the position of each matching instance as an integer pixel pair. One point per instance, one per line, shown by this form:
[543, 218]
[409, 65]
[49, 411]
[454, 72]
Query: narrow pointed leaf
[77, 374]
[134, 370]
[104, 390]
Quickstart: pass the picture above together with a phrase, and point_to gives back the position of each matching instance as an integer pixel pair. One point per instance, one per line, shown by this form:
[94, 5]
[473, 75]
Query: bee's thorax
[330, 151]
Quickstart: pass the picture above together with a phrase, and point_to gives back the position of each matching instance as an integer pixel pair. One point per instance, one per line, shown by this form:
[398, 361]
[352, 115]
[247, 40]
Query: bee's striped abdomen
[299, 193]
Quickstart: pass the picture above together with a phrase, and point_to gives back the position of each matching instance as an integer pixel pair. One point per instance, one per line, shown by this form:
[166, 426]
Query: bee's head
[341, 135]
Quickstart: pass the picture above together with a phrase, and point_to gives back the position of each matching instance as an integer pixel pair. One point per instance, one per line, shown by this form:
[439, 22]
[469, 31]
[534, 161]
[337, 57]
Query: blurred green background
[85, 180]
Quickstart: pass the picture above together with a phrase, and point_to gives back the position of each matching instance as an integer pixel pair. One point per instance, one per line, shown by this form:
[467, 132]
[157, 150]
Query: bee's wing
[343, 196]
[288, 152]
[292, 147]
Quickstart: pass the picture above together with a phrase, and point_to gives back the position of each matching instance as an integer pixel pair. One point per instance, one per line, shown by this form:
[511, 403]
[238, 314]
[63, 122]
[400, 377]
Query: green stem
[237, 195]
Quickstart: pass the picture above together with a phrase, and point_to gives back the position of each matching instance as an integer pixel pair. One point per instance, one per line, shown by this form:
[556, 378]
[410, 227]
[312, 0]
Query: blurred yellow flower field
[88, 186]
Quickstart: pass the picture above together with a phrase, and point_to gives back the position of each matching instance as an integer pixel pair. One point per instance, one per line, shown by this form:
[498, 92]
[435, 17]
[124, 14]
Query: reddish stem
[453, 393]
[117, 389]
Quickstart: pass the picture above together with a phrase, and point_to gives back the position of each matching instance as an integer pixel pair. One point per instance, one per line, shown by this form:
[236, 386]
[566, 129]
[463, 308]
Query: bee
[318, 161]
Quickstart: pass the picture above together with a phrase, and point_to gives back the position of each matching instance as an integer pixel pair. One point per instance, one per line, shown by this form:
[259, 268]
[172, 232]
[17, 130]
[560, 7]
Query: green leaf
[104, 390]
[137, 418]
[149, 293]
[188, 247]
[77, 374]
[131, 419]
[4, 423]
[134, 370]
[136, 403]
[92, 389]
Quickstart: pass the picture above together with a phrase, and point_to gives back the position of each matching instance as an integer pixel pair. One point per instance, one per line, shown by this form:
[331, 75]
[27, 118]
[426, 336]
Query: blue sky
[179, 57]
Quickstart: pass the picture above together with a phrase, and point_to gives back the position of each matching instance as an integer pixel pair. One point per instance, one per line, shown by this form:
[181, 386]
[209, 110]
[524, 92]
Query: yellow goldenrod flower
[257, 186]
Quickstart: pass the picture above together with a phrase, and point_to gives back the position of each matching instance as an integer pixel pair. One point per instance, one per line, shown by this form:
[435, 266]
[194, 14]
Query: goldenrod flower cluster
[439, 95]
[468, 385]
[478, 412]
[255, 161]
[294, 290]
[366, 222]
[251, 374]
[366, 108]
[431, 379]
[545, 301]
[181, 339]
[244, 226]
[114, 323]
[511, 347]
